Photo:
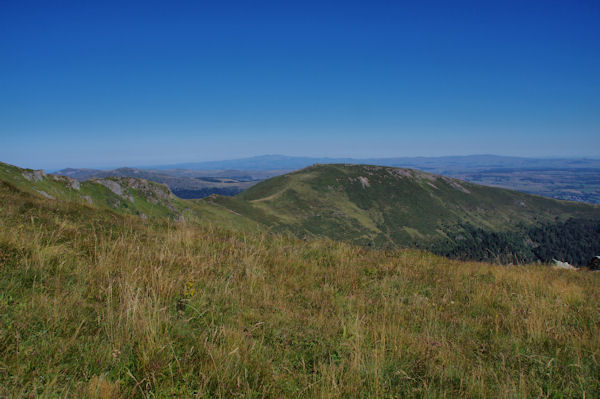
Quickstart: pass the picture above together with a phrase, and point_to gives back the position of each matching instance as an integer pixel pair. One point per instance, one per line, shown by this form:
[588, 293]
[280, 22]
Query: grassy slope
[97, 304]
[397, 207]
[100, 196]
[145, 201]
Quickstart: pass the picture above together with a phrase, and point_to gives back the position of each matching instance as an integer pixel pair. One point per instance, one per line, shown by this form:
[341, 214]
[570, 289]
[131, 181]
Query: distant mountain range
[433, 164]
[565, 178]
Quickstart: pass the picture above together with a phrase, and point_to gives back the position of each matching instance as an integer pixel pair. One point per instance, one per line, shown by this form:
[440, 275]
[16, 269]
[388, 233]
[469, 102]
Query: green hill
[121, 195]
[391, 207]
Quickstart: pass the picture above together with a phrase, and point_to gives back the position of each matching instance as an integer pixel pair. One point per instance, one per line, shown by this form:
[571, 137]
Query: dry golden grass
[97, 305]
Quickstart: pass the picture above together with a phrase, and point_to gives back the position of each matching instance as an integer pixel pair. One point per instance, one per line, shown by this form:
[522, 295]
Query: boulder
[563, 265]
[34, 175]
[74, 184]
[111, 185]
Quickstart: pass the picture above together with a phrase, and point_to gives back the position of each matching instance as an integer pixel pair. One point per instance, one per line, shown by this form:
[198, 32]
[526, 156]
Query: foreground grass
[93, 304]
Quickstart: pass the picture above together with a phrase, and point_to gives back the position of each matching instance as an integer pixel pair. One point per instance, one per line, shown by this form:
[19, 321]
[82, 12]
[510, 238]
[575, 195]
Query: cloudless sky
[101, 83]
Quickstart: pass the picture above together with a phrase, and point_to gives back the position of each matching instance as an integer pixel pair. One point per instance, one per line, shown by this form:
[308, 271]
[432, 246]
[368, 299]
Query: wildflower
[189, 291]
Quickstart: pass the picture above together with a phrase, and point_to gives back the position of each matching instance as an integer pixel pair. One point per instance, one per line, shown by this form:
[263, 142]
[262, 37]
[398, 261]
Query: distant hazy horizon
[181, 163]
[66, 163]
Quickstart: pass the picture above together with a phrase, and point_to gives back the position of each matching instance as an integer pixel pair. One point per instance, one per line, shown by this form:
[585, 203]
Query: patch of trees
[467, 242]
[575, 241]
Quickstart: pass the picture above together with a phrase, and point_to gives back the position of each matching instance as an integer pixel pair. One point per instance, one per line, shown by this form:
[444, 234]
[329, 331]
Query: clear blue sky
[100, 83]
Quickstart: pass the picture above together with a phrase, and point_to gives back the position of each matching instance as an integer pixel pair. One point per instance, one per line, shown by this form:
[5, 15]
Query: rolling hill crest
[389, 207]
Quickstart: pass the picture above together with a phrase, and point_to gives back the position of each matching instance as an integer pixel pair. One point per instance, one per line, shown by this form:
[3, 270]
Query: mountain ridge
[398, 207]
[279, 161]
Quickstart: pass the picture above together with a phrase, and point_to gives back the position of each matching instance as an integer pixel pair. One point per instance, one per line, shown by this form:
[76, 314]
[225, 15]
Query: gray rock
[149, 189]
[364, 181]
[111, 185]
[74, 184]
[34, 175]
[563, 265]
[45, 194]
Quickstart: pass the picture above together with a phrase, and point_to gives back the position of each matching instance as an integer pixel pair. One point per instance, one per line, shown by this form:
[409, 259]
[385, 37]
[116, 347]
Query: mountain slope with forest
[393, 207]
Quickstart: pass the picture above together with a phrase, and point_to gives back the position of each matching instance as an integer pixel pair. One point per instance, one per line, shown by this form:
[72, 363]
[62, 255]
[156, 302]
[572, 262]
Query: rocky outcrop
[68, 181]
[111, 185]
[148, 188]
[127, 187]
[364, 181]
[563, 265]
[34, 175]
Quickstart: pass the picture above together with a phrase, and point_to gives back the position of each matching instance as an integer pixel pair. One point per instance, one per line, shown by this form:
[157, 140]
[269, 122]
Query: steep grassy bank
[97, 304]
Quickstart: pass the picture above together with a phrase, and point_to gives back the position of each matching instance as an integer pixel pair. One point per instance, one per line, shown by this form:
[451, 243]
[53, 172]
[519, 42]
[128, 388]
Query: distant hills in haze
[575, 179]
[435, 164]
